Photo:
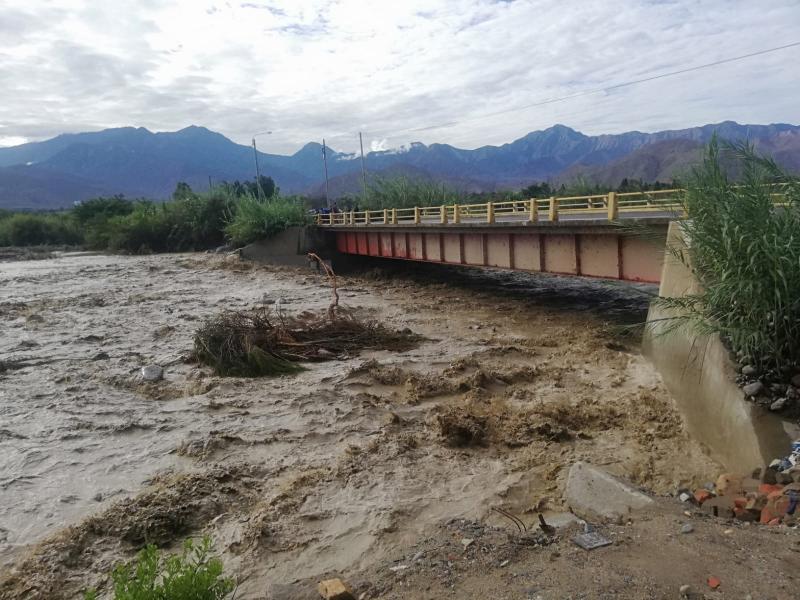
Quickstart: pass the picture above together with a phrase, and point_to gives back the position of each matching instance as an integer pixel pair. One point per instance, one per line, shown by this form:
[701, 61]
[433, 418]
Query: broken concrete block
[594, 493]
[335, 589]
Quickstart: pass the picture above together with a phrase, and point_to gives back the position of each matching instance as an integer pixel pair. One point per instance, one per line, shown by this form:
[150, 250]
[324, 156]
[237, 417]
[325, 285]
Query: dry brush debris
[259, 342]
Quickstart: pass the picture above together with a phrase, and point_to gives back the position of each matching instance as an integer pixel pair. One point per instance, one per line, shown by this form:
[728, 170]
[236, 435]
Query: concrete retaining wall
[289, 247]
[699, 374]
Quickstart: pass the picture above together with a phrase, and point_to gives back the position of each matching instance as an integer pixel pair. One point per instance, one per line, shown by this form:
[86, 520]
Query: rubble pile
[771, 389]
[768, 496]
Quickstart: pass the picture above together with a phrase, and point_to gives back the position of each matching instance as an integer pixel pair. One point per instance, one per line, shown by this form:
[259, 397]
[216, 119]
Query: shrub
[192, 575]
[193, 222]
[24, 229]
[746, 254]
[255, 219]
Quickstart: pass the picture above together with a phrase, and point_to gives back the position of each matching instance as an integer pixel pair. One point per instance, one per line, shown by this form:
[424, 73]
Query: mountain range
[139, 163]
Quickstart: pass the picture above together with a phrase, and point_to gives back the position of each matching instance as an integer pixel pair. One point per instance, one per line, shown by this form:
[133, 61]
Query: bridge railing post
[394, 216]
[490, 212]
[352, 217]
[613, 207]
[366, 217]
[534, 211]
[385, 216]
[443, 214]
[553, 213]
[456, 213]
[416, 215]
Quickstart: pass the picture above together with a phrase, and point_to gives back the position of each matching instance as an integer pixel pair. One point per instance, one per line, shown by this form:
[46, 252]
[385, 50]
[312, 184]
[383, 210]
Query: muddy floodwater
[329, 470]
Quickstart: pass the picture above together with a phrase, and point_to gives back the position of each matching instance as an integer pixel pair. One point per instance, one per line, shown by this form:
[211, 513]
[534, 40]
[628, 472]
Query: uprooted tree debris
[259, 342]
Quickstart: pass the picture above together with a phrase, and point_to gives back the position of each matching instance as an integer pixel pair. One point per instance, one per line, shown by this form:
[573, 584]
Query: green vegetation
[190, 221]
[255, 219]
[406, 192]
[746, 254]
[53, 229]
[192, 575]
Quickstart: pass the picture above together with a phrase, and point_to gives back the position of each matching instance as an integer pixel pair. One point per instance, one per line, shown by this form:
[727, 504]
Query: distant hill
[671, 158]
[138, 162]
[659, 161]
[39, 188]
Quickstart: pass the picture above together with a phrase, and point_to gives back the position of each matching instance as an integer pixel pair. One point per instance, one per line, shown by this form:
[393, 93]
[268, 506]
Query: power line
[602, 89]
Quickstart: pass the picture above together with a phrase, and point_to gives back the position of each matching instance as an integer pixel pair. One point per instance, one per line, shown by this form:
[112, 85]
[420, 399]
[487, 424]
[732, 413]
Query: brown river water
[327, 470]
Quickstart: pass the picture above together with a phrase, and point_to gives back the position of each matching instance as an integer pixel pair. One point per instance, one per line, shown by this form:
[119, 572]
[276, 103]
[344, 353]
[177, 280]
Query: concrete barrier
[700, 375]
[289, 247]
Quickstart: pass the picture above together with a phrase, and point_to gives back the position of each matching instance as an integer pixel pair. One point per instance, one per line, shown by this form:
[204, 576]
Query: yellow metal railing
[613, 205]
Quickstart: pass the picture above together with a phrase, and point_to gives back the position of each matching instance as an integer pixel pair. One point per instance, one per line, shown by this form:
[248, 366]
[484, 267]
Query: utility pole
[363, 168]
[325, 163]
[259, 191]
[258, 173]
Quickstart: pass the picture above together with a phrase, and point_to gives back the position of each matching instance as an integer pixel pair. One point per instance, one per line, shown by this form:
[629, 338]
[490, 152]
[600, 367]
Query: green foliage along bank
[228, 213]
[745, 251]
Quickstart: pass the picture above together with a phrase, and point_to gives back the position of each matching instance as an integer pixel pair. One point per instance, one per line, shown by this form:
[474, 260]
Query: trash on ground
[591, 540]
[768, 496]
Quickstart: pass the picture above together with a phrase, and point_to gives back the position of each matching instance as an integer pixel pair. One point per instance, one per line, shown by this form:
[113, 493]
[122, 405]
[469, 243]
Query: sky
[463, 72]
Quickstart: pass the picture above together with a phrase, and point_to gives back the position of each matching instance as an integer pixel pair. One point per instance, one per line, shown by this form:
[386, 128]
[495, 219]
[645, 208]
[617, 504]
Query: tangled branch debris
[260, 343]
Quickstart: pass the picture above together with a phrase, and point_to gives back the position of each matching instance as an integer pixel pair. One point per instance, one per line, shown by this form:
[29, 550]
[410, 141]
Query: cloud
[418, 70]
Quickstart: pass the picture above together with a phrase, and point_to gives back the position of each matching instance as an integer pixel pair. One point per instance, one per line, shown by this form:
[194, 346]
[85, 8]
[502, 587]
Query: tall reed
[745, 252]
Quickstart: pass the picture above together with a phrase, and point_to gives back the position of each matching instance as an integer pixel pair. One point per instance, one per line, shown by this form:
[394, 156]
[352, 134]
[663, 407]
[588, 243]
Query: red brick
[702, 495]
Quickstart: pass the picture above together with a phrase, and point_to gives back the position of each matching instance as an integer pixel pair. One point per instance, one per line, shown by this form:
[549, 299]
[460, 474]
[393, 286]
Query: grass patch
[192, 575]
[745, 252]
[260, 343]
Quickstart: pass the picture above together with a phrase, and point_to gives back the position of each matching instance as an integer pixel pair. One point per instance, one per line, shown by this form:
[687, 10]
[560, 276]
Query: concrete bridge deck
[580, 236]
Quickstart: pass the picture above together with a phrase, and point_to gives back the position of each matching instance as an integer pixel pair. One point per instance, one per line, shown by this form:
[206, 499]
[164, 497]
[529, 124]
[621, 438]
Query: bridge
[610, 236]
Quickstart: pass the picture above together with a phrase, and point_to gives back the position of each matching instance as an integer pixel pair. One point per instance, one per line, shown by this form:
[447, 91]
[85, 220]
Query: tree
[538, 190]
[182, 191]
[102, 209]
[268, 189]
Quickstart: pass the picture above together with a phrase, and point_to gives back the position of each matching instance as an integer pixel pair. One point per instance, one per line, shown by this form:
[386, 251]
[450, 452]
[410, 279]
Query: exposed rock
[796, 381]
[687, 528]
[594, 493]
[779, 404]
[749, 371]
[753, 389]
[152, 373]
[335, 589]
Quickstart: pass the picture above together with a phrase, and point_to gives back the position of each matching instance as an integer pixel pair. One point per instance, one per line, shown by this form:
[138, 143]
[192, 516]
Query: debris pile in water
[259, 342]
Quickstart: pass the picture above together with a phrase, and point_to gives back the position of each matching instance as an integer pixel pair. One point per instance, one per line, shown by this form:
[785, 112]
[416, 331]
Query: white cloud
[400, 71]
[379, 145]
[12, 140]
